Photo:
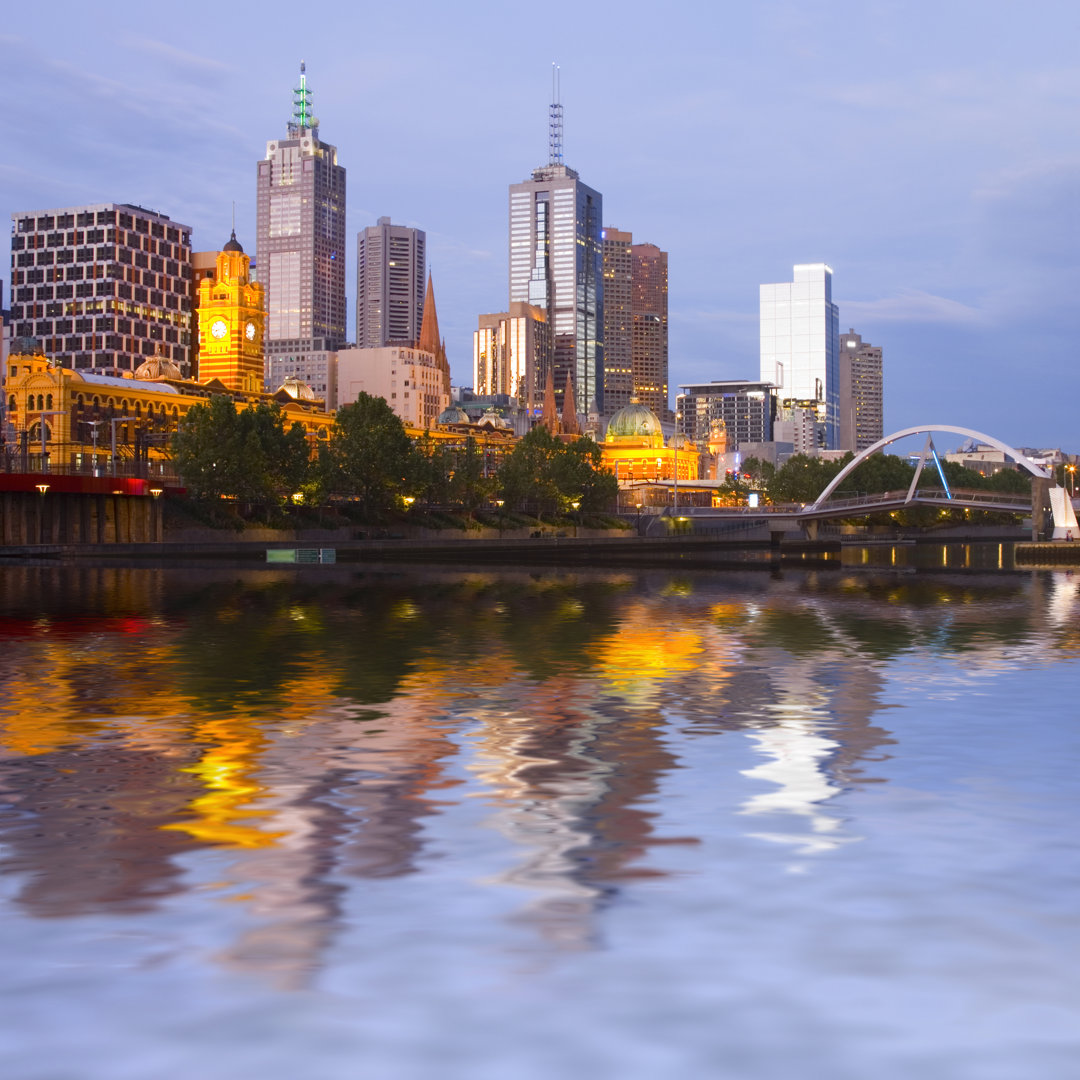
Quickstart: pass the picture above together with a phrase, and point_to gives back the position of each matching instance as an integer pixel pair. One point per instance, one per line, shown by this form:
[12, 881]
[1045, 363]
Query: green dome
[635, 421]
[453, 415]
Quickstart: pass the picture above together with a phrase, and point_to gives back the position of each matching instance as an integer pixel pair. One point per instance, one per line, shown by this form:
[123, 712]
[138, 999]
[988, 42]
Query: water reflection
[327, 730]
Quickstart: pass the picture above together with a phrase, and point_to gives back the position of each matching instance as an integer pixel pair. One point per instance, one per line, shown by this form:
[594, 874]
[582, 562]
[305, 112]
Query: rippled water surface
[423, 825]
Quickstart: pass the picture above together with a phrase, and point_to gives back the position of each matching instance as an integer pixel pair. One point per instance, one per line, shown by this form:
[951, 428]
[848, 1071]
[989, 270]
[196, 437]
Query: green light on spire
[301, 117]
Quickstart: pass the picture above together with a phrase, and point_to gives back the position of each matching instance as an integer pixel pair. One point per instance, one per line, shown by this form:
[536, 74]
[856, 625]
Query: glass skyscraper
[556, 264]
[300, 250]
[800, 347]
[390, 279]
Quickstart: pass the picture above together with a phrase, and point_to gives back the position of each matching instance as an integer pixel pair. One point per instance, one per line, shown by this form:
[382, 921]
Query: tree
[546, 475]
[370, 456]
[246, 455]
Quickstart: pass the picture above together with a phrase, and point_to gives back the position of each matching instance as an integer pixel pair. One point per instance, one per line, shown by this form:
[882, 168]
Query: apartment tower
[556, 265]
[861, 413]
[300, 250]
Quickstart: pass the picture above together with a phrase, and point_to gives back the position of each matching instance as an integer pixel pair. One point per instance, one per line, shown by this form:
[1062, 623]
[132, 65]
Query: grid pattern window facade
[103, 287]
[747, 410]
[861, 393]
[618, 300]
[650, 328]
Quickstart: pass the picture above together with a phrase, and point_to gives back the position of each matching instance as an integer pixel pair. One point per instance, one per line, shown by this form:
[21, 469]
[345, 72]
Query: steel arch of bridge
[926, 429]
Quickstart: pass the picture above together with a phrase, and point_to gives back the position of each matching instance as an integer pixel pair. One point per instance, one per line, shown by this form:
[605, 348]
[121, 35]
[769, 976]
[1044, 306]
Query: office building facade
[861, 397]
[618, 319]
[300, 250]
[800, 348]
[512, 355]
[746, 409]
[556, 264]
[649, 310]
[102, 287]
[390, 269]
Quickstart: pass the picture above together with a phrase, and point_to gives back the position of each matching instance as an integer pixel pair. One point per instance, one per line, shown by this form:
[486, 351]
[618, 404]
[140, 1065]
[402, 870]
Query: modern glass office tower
[390, 274]
[556, 264]
[800, 346]
[102, 287]
[300, 249]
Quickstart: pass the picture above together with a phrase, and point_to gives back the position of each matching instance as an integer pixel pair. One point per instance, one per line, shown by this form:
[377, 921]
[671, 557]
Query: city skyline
[937, 181]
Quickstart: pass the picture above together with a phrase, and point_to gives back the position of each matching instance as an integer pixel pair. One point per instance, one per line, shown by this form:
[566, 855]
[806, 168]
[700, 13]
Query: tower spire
[301, 118]
[555, 118]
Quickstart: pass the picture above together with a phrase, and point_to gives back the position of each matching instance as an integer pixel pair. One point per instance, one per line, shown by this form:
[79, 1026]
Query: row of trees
[368, 458]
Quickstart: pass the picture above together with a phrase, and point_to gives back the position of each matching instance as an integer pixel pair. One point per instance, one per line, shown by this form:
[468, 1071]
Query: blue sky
[929, 152]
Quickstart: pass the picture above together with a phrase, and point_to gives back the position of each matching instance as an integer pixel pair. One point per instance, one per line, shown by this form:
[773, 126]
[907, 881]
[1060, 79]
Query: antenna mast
[301, 118]
[555, 118]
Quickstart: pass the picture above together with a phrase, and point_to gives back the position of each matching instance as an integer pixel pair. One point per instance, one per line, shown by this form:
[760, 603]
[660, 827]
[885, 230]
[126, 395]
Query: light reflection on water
[479, 824]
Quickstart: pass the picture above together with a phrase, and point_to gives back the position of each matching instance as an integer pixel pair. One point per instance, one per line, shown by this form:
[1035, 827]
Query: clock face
[249, 331]
[218, 328]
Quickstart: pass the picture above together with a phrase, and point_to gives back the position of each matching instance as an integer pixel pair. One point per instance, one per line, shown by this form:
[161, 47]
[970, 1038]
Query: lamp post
[499, 503]
[1072, 480]
[42, 488]
[112, 425]
[576, 505]
[93, 425]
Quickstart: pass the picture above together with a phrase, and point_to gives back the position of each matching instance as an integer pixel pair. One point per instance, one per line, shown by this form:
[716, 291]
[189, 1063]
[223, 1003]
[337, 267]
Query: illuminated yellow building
[634, 448]
[231, 313]
[61, 417]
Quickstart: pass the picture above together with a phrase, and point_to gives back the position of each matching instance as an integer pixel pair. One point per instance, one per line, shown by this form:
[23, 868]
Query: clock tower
[231, 321]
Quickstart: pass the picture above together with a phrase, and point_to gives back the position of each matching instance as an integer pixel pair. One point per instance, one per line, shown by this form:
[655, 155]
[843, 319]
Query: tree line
[368, 459]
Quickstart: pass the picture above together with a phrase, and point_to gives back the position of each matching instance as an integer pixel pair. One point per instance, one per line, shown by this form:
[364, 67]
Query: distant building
[800, 349]
[391, 265]
[556, 265]
[300, 250]
[860, 407]
[512, 354]
[102, 287]
[231, 318]
[747, 411]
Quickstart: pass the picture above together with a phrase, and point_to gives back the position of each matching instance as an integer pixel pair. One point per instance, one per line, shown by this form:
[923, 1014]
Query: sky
[929, 152]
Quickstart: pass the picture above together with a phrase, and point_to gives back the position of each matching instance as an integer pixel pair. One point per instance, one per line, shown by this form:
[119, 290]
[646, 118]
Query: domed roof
[233, 244]
[297, 389]
[26, 346]
[453, 415]
[158, 367]
[492, 418]
[680, 441]
[634, 421]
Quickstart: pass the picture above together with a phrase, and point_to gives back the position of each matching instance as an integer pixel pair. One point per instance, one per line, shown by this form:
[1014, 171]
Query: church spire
[429, 325]
[569, 408]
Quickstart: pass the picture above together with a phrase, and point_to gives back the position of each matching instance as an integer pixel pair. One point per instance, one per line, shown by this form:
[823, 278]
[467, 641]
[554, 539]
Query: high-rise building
[231, 319]
[300, 250]
[618, 320]
[512, 354]
[102, 287]
[635, 324]
[861, 411]
[650, 328]
[390, 270]
[746, 409]
[799, 347]
[556, 265]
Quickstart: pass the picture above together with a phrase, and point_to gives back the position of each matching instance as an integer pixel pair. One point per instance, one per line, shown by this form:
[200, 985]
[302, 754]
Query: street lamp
[93, 425]
[1072, 480]
[577, 506]
[112, 424]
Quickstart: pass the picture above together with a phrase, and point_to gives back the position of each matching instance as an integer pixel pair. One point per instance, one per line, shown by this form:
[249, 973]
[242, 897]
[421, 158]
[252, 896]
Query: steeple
[569, 408]
[550, 418]
[302, 118]
[429, 325]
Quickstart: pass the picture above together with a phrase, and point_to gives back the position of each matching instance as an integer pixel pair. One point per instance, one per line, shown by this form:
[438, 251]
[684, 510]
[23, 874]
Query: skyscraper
[102, 287]
[556, 265]
[512, 354]
[800, 347]
[390, 265]
[649, 311]
[618, 320]
[300, 249]
[861, 414]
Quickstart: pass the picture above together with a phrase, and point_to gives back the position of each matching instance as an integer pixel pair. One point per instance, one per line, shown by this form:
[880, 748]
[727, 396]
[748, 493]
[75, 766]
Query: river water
[345, 823]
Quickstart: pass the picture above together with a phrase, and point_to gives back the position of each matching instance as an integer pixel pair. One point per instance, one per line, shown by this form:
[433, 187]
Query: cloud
[178, 56]
[910, 306]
